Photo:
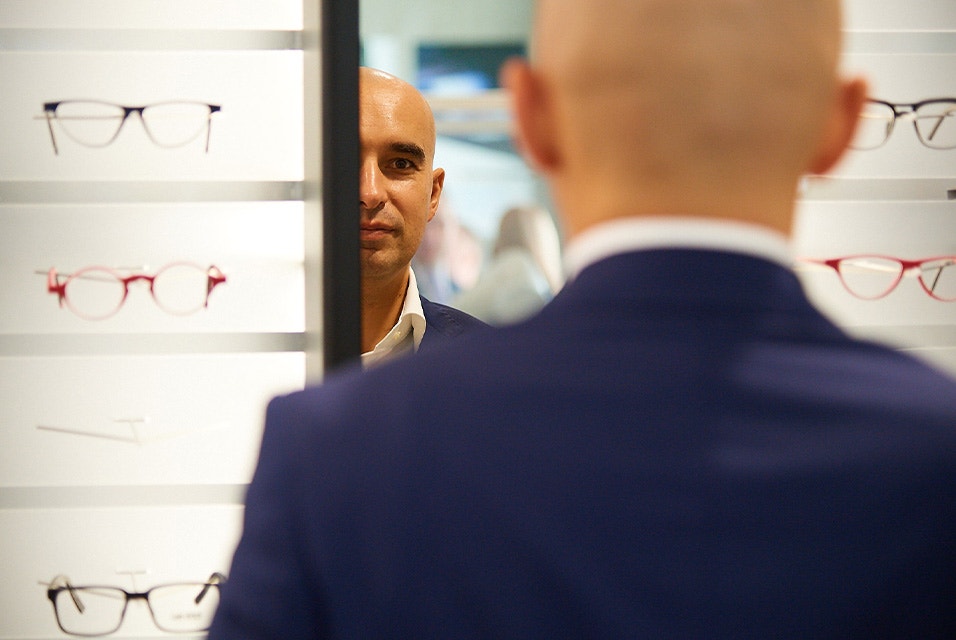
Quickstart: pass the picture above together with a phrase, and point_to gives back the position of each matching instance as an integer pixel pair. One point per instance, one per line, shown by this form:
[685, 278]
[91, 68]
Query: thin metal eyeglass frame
[904, 110]
[905, 266]
[214, 580]
[214, 277]
[50, 108]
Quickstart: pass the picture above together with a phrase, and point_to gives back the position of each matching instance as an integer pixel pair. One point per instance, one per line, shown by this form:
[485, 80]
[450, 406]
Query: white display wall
[126, 443]
[900, 199]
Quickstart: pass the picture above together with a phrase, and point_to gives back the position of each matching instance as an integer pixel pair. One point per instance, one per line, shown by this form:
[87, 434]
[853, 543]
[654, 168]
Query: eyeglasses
[934, 121]
[873, 277]
[92, 123]
[99, 611]
[132, 434]
[95, 293]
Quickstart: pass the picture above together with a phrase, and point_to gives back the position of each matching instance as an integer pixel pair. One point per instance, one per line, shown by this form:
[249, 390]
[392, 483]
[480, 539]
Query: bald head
[400, 103]
[669, 95]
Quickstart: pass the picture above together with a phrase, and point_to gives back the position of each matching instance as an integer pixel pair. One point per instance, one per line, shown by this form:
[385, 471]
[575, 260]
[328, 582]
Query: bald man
[678, 445]
[399, 192]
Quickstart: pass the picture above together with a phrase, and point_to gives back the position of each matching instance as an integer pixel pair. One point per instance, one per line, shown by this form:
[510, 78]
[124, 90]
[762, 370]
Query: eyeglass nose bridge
[127, 112]
[905, 113]
[138, 277]
[138, 596]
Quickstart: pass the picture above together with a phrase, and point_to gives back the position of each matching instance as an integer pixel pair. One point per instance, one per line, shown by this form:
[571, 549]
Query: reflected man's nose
[371, 185]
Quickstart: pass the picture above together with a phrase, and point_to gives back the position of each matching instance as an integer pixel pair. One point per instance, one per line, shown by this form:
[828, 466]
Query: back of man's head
[647, 98]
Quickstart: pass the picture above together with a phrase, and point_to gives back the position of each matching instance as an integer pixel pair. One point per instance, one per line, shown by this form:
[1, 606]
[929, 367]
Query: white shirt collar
[407, 332]
[412, 309]
[633, 234]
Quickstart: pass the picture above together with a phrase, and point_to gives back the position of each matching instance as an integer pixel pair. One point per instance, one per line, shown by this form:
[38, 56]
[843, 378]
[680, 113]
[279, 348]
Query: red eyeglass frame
[214, 277]
[906, 265]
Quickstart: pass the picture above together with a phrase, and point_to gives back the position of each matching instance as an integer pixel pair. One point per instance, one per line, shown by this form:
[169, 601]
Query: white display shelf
[256, 136]
[130, 547]
[887, 15]
[123, 496]
[879, 189]
[122, 15]
[258, 246]
[116, 344]
[898, 200]
[137, 420]
[908, 229]
[146, 39]
[127, 191]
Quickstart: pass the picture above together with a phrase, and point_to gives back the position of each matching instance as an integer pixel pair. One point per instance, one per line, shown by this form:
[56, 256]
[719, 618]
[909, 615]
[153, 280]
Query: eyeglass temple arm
[832, 263]
[54, 589]
[214, 276]
[213, 108]
[939, 272]
[939, 121]
[49, 110]
[53, 285]
[214, 579]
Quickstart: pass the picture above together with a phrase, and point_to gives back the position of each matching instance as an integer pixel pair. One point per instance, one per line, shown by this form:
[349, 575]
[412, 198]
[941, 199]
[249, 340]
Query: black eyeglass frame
[903, 109]
[50, 108]
[215, 579]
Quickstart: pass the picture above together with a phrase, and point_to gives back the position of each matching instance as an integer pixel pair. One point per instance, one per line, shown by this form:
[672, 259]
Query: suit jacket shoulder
[442, 321]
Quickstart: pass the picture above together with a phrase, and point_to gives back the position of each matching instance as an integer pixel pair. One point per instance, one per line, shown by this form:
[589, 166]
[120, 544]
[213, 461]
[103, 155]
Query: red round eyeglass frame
[214, 277]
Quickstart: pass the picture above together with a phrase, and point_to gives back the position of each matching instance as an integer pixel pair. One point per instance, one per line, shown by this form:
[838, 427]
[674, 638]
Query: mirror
[475, 257]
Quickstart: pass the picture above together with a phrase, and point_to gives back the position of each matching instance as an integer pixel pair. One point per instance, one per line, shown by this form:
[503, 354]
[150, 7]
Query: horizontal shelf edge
[105, 192]
[869, 189]
[73, 344]
[908, 337]
[884, 42]
[160, 40]
[121, 496]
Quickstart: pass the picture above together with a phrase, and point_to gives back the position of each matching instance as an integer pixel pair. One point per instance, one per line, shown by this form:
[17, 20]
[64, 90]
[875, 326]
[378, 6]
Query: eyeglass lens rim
[213, 274]
[904, 266]
[910, 108]
[216, 579]
[50, 113]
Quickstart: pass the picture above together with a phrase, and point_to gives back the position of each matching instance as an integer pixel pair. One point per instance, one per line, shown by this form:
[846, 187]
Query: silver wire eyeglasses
[95, 293]
[871, 277]
[934, 121]
[93, 123]
[99, 610]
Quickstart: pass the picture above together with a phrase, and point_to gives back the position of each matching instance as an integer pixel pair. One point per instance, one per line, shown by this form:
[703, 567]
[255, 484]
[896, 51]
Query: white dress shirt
[407, 333]
[633, 234]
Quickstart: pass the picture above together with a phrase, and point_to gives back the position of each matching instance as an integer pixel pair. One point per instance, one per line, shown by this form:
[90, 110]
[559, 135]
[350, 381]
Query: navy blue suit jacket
[677, 446]
[442, 321]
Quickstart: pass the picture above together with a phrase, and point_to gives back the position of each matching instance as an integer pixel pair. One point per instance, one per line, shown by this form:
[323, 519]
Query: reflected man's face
[399, 189]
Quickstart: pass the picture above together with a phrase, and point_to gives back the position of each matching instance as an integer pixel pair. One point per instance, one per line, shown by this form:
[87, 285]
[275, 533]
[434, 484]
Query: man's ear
[532, 109]
[438, 183]
[841, 126]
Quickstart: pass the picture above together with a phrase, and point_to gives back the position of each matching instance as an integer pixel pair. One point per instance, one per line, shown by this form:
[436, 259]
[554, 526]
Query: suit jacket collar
[693, 279]
[635, 234]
